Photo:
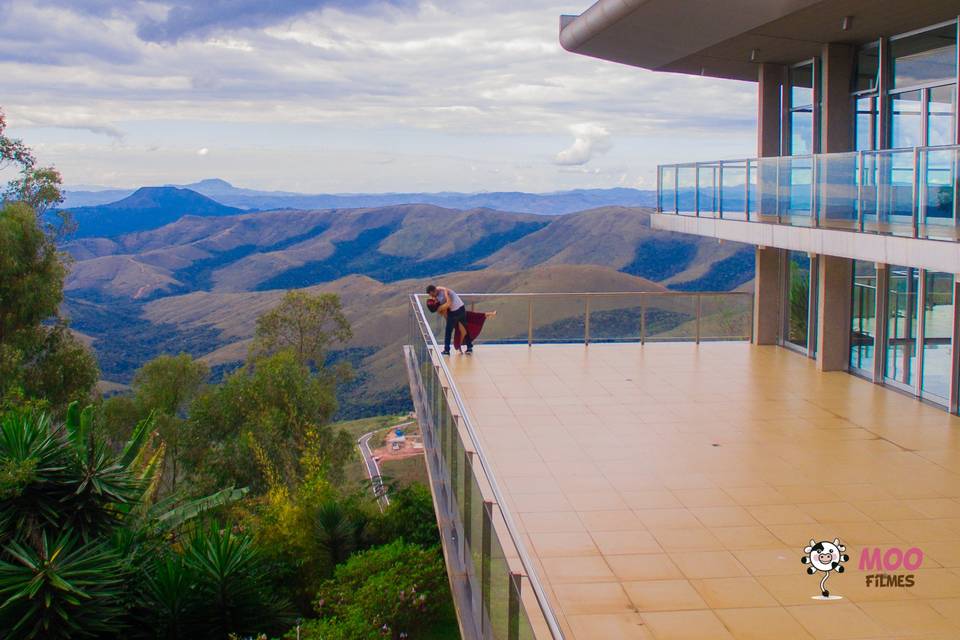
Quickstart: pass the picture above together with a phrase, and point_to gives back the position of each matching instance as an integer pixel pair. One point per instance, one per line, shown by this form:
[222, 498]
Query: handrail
[529, 569]
[668, 294]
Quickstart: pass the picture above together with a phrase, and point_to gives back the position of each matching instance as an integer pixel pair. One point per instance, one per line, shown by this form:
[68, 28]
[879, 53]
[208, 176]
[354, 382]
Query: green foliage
[264, 416]
[398, 588]
[411, 517]
[38, 359]
[219, 584]
[303, 323]
[61, 589]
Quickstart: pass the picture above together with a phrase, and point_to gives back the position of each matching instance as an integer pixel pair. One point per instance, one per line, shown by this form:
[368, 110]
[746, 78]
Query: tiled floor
[667, 490]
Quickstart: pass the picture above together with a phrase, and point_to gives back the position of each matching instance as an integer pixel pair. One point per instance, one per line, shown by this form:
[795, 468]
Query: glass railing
[501, 595]
[904, 192]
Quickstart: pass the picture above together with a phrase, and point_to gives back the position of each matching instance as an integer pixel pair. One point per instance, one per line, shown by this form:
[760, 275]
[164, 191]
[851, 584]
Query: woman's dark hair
[433, 305]
[431, 289]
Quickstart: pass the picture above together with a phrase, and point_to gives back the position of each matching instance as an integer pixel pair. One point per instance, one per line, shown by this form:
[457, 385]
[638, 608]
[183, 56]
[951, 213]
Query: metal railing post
[513, 606]
[486, 560]
[676, 189]
[860, 176]
[814, 178]
[915, 204]
[643, 319]
[530, 322]
[659, 189]
[696, 188]
[586, 321]
[699, 309]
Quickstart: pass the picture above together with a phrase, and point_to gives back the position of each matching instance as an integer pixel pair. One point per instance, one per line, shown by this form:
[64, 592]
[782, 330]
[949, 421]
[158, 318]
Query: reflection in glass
[901, 356]
[863, 330]
[798, 297]
[668, 189]
[937, 168]
[925, 57]
[940, 115]
[801, 131]
[796, 189]
[866, 123]
[937, 335]
[801, 86]
[907, 123]
[868, 69]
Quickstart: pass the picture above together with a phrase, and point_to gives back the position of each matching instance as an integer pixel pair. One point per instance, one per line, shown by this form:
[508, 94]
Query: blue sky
[347, 96]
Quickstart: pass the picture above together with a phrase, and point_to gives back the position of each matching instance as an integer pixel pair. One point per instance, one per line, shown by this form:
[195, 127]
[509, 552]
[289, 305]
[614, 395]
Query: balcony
[591, 484]
[908, 193]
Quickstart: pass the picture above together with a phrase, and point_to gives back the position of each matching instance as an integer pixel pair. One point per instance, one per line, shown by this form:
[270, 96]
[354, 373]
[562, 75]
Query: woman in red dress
[473, 327]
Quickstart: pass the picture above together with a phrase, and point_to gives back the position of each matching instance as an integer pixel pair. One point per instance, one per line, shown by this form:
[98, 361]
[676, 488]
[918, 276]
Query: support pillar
[836, 130]
[834, 291]
[766, 296]
[771, 79]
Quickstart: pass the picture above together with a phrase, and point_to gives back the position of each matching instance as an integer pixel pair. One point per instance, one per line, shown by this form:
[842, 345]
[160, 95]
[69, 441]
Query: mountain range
[196, 273]
[250, 199]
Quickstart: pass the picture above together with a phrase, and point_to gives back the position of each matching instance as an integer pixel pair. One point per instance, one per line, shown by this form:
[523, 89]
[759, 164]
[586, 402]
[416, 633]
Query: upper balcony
[900, 192]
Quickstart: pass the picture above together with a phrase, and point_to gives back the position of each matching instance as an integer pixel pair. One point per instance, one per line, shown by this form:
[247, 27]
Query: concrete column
[835, 283]
[836, 120]
[766, 296]
[769, 116]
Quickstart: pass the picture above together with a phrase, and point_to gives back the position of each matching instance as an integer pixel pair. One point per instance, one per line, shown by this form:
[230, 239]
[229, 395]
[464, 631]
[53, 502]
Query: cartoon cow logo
[825, 557]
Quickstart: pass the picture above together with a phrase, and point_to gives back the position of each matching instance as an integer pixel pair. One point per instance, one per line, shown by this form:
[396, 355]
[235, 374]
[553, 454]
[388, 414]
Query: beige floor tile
[724, 516]
[908, 618]
[768, 623]
[651, 499]
[729, 593]
[595, 501]
[561, 570]
[551, 544]
[611, 521]
[552, 522]
[672, 539]
[753, 496]
[625, 542]
[703, 497]
[686, 625]
[643, 566]
[663, 595]
[679, 518]
[836, 620]
[628, 626]
[592, 598]
[779, 514]
[756, 537]
[708, 564]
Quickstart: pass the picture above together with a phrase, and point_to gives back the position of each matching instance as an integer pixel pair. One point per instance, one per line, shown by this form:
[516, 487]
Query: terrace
[629, 466]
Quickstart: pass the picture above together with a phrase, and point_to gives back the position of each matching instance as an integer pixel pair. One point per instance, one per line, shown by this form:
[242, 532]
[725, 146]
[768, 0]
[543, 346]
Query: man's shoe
[445, 352]
[470, 349]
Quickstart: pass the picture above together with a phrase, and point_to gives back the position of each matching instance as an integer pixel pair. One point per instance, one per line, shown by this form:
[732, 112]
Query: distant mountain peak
[209, 183]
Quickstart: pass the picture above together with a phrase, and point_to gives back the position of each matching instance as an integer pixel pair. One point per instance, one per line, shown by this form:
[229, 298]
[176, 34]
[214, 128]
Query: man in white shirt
[456, 314]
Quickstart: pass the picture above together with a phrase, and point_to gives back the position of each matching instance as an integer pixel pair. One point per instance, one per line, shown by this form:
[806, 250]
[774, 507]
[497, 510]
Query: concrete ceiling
[716, 38]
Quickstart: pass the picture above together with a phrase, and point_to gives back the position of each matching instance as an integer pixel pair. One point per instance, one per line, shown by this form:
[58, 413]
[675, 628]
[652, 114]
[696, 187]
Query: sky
[347, 96]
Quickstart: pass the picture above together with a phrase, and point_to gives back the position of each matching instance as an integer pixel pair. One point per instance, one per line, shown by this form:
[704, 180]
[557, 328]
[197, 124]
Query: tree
[304, 323]
[40, 360]
[397, 589]
[78, 522]
[261, 418]
[166, 386]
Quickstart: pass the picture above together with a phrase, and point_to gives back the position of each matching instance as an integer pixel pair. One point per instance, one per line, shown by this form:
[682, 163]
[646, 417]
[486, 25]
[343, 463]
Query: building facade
[851, 201]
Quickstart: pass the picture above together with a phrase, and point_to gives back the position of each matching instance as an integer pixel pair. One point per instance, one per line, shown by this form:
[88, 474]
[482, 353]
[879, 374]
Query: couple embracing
[446, 302]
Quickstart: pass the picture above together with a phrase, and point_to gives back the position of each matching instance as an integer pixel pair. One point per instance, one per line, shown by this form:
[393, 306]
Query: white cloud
[202, 152]
[589, 139]
[483, 81]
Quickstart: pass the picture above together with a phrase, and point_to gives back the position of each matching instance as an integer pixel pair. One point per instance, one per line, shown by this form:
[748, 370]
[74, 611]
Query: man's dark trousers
[453, 319]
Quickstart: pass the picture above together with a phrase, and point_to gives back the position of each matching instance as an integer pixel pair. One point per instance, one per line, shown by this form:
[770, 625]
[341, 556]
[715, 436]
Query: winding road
[373, 469]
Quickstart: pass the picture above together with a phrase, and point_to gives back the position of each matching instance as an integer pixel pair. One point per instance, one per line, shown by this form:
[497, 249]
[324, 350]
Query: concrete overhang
[727, 39]
[934, 255]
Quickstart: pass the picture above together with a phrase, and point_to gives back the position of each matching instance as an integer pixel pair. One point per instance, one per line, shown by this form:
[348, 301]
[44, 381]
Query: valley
[198, 283]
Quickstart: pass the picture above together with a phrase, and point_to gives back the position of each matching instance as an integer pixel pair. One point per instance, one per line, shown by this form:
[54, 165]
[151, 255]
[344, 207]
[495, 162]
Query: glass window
[866, 123]
[925, 57]
[801, 131]
[937, 335]
[940, 115]
[801, 86]
[901, 355]
[907, 121]
[867, 69]
[864, 313]
[798, 298]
